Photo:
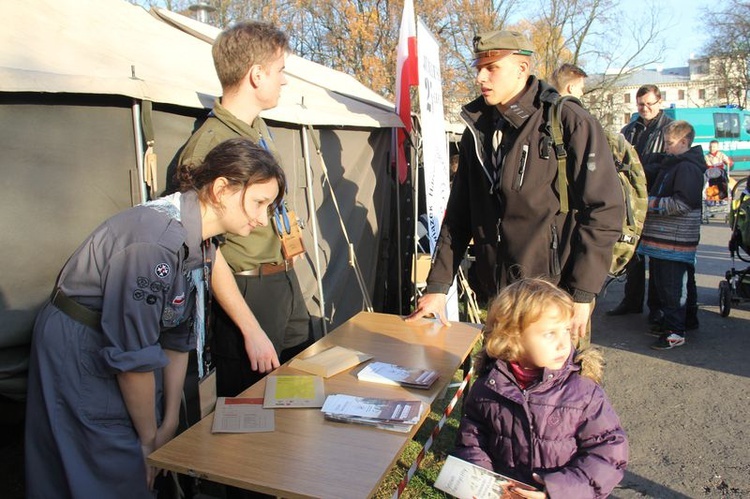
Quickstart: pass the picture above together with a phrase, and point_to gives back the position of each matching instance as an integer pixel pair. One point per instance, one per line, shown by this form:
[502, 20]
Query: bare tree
[359, 37]
[728, 51]
[597, 33]
[461, 20]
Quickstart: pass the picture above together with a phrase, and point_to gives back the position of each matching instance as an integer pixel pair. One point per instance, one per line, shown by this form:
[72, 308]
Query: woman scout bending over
[110, 348]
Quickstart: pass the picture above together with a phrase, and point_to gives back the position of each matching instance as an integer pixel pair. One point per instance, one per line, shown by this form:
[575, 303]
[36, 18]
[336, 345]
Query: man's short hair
[243, 45]
[648, 88]
[566, 74]
[679, 129]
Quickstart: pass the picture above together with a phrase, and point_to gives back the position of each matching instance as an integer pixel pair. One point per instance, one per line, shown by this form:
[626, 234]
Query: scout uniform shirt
[138, 271]
[263, 244]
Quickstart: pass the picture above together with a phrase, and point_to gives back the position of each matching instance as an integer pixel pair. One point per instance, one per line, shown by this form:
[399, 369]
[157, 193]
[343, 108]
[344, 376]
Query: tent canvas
[70, 103]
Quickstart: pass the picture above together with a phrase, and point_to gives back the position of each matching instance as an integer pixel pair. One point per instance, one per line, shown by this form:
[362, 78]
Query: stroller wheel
[725, 299]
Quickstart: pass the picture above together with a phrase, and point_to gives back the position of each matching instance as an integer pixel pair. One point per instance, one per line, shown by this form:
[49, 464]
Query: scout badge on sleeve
[287, 227]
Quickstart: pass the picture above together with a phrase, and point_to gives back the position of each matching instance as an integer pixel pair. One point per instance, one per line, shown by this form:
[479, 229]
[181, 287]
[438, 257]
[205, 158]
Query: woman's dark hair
[238, 160]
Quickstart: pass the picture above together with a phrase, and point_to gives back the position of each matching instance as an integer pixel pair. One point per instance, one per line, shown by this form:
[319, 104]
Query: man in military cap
[504, 194]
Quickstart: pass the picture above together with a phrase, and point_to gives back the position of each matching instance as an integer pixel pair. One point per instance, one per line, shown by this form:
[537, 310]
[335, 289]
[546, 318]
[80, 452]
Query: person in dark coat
[109, 350]
[536, 412]
[505, 198]
[646, 133]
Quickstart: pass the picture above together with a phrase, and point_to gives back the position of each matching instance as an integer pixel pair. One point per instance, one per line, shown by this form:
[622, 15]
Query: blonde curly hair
[516, 307]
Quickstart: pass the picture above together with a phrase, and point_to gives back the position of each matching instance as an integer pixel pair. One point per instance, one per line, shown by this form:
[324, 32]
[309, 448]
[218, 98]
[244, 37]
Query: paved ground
[686, 410]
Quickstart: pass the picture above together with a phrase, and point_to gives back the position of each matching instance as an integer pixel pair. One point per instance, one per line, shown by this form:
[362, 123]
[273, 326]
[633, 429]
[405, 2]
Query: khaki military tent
[77, 80]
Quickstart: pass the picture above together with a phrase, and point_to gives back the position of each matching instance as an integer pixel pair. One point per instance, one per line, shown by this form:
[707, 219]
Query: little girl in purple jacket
[536, 412]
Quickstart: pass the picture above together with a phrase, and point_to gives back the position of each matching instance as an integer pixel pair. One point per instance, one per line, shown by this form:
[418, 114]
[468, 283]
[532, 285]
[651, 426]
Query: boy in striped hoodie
[672, 229]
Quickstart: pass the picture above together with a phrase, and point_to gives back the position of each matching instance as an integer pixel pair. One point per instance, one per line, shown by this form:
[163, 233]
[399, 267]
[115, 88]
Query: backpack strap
[555, 120]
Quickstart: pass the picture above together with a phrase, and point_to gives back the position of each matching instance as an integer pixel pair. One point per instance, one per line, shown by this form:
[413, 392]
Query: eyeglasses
[647, 104]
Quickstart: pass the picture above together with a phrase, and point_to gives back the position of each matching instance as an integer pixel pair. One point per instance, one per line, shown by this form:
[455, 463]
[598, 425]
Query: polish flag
[406, 77]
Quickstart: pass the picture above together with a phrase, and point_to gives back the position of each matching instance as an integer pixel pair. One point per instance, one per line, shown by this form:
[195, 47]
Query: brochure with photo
[465, 480]
[392, 374]
[401, 415]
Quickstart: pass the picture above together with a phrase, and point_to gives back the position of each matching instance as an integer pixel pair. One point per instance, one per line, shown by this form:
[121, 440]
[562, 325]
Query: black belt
[76, 311]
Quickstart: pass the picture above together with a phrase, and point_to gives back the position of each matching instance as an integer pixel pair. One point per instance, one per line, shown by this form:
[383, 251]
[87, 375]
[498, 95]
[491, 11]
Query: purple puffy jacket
[563, 428]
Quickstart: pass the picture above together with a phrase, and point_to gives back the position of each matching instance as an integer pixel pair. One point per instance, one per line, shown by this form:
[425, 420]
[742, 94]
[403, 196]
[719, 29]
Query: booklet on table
[330, 361]
[400, 415]
[284, 391]
[392, 374]
[241, 415]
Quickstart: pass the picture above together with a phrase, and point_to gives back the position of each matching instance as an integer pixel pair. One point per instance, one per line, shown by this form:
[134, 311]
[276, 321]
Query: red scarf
[525, 377]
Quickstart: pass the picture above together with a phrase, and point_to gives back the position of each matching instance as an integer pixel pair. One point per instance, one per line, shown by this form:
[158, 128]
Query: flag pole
[406, 77]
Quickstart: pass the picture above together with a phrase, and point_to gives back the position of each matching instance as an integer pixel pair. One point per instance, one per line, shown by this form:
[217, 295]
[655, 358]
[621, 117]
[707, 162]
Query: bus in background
[730, 126]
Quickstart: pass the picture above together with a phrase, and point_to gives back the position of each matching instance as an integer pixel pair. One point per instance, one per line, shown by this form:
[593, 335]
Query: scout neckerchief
[200, 276]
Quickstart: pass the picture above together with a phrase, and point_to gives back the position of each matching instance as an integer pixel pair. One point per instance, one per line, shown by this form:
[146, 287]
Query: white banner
[434, 143]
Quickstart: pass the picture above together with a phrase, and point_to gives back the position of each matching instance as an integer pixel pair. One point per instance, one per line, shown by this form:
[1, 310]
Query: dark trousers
[671, 286]
[691, 306]
[278, 305]
[635, 286]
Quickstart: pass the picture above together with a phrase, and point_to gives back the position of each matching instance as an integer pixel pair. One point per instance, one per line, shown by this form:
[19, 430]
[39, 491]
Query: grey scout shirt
[136, 269]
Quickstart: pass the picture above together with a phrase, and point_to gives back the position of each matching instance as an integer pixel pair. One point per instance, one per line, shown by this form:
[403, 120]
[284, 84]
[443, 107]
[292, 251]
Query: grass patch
[420, 485]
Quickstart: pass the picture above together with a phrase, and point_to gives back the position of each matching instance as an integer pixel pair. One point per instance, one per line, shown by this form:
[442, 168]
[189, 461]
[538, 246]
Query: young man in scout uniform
[249, 59]
[504, 194]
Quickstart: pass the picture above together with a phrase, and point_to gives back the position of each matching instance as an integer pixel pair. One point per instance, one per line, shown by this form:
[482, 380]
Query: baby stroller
[736, 286]
[717, 198]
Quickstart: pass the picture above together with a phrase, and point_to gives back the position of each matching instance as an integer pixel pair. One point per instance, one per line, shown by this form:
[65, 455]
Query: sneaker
[669, 340]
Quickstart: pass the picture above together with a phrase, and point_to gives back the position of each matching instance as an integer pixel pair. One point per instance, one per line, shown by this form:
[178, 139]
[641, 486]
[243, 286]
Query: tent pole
[416, 154]
[139, 150]
[314, 222]
[352, 255]
[394, 155]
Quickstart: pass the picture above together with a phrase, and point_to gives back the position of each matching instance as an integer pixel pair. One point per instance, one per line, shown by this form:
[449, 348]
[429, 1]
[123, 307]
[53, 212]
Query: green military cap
[493, 45]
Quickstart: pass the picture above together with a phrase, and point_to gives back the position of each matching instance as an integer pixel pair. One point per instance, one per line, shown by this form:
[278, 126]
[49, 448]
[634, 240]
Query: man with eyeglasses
[646, 133]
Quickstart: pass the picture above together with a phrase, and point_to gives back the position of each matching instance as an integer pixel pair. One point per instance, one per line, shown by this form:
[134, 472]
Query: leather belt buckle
[268, 268]
[274, 268]
[253, 272]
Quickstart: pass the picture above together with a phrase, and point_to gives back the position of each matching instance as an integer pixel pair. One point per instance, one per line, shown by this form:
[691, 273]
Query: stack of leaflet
[392, 374]
[387, 414]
